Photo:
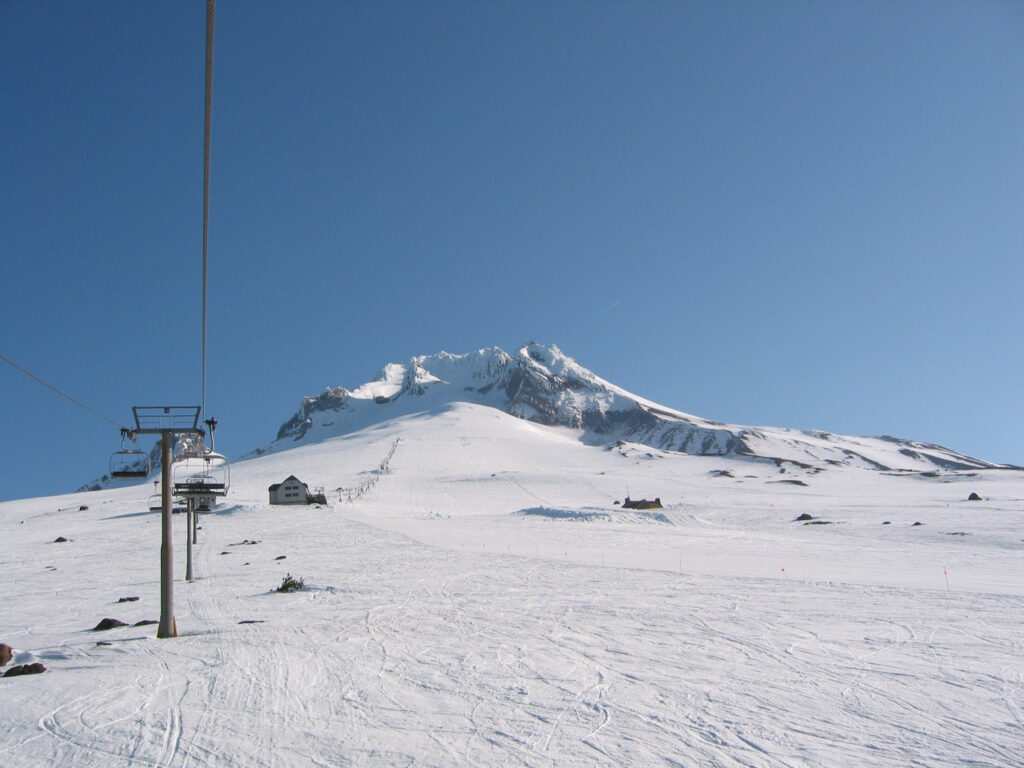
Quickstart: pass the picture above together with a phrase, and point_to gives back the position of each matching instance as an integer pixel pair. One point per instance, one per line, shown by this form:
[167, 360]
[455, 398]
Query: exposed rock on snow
[106, 624]
[25, 669]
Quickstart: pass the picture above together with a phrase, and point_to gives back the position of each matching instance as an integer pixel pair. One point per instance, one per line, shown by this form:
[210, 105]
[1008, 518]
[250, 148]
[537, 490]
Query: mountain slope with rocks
[539, 383]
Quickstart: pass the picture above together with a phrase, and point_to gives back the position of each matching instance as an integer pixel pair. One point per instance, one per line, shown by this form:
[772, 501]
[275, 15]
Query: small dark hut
[641, 503]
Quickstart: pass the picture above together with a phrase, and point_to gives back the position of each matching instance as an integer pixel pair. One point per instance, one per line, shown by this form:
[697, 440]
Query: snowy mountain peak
[551, 360]
[542, 384]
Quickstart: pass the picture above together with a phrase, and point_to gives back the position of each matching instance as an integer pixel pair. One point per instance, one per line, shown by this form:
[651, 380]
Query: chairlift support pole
[190, 516]
[167, 627]
[166, 421]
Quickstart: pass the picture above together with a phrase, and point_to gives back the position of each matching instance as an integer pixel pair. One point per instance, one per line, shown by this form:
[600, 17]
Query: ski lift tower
[167, 421]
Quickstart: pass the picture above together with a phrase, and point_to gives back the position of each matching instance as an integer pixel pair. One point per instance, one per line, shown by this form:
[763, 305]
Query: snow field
[440, 625]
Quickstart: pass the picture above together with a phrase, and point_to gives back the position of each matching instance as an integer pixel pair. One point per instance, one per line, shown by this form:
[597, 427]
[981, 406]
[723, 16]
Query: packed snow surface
[474, 596]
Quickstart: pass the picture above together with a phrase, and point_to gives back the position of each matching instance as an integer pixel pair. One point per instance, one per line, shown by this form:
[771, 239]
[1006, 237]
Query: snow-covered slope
[541, 384]
[475, 597]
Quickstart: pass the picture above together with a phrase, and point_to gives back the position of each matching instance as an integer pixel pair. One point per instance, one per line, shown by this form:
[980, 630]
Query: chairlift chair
[205, 475]
[156, 503]
[129, 463]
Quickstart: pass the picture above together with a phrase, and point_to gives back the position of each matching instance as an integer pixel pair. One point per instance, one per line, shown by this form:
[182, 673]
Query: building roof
[275, 486]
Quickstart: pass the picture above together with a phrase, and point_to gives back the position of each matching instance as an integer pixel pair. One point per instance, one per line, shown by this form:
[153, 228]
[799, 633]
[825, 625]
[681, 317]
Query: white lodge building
[291, 491]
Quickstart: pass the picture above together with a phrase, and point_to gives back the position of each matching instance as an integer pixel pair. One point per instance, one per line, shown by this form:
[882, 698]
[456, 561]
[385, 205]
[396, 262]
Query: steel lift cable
[210, 7]
[63, 394]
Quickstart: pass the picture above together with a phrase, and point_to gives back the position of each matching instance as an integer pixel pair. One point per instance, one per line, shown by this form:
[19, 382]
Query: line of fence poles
[349, 495]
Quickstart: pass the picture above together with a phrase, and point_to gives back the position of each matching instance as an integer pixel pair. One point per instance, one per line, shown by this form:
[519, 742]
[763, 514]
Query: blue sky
[766, 213]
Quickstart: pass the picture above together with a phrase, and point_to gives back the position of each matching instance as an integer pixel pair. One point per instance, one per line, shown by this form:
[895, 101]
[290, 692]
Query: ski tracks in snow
[399, 653]
[135, 723]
